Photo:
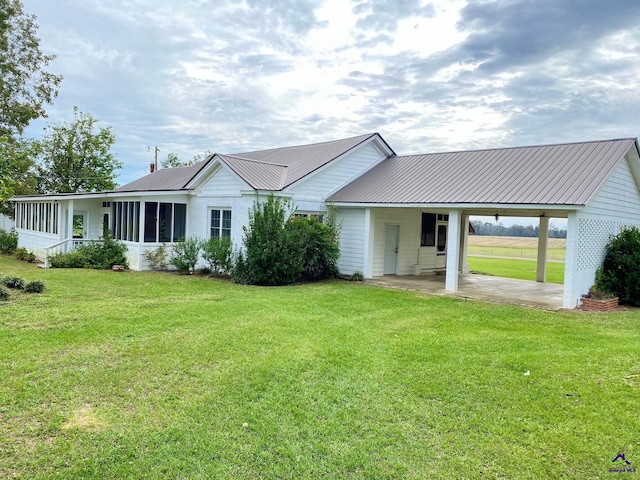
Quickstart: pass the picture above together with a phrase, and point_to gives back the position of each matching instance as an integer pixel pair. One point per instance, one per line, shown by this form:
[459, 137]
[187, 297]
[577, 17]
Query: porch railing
[64, 246]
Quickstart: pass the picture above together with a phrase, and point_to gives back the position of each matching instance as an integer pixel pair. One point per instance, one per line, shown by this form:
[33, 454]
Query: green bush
[4, 294]
[36, 286]
[8, 241]
[320, 247]
[217, 253]
[24, 255]
[15, 283]
[619, 273]
[271, 253]
[100, 255]
[185, 254]
[157, 258]
[280, 249]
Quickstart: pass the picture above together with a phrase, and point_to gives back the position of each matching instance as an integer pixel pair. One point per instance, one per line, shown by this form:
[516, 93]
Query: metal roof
[272, 169]
[563, 174]
[164, 179]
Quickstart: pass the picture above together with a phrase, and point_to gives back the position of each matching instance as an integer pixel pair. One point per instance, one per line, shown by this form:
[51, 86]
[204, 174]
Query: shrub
[185, 254]
[280, 249]
[217, 253]
[271, 253]
[36, 286]
[15, 283]
[158, 258]
[100, 255]
[4, 294]
[319, 245]
[8, 241]
[619, 273]
[24, 255]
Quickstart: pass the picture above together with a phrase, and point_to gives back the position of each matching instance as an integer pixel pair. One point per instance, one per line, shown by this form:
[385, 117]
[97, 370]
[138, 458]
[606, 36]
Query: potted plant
[599, 300]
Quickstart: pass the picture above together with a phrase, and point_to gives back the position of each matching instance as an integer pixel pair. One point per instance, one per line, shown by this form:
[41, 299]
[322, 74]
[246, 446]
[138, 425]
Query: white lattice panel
[593, 236]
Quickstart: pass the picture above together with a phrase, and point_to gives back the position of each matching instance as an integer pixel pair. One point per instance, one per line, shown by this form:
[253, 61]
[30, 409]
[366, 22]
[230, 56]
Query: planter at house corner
[598, 305]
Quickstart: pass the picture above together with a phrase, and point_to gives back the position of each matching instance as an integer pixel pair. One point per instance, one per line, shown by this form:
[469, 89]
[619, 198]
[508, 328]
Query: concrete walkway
[546, 296]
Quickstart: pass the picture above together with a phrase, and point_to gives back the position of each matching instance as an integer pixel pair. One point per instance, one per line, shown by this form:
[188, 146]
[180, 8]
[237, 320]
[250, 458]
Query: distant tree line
[499, 230]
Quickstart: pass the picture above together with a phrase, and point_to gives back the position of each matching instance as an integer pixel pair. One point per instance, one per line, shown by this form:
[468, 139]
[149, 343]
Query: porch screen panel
[165, 226]
[136, 227]
[150, 221]
[179, 221]
[132, 220]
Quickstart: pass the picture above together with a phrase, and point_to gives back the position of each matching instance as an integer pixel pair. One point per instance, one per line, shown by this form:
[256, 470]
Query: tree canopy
[25, 85]
[75, 157]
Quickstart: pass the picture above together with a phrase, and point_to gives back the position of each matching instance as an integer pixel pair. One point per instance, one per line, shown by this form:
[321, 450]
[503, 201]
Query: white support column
[69, 233]
[570, 292]
[543, 237]
[464, 243]
[453, 251]
[369, 243]
[141, 220]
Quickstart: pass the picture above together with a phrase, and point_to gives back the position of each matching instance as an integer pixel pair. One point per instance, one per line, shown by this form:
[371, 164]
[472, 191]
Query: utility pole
[156, 150]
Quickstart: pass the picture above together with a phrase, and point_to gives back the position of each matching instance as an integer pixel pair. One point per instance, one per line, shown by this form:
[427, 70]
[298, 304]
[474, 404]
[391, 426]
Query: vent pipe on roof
[152, 167]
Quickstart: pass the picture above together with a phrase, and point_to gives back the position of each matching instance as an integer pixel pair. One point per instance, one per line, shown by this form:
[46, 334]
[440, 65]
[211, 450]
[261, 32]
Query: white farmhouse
[401, 215]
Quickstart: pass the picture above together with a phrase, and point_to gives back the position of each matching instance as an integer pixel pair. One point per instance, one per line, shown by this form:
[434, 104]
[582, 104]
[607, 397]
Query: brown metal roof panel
[551, 174]
[304, 159]
[259, 175]
[164, 179]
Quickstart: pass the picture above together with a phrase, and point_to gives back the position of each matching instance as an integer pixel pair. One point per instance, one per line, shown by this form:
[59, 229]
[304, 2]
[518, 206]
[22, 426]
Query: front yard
[145, 375]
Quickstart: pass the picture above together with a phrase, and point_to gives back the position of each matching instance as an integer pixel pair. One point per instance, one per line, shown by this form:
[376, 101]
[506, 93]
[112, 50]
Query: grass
[144, 375]
[516, 268]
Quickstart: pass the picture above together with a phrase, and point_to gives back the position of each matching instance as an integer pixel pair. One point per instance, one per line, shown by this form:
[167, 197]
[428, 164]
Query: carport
[594, 185]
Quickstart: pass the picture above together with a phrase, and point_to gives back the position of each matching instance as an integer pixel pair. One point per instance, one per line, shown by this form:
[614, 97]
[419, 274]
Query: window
[442, 238]
[220, 223]
[125, 220]
[428, 238]
[37, 216]
[164, 222]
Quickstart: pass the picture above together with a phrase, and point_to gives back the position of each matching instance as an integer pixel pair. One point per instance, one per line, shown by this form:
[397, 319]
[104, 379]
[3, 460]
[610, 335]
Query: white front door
[391, 249]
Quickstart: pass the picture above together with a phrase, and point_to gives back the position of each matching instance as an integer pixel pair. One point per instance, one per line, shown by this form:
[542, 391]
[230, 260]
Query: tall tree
[77, 158]
[19, 169]
[25, 88]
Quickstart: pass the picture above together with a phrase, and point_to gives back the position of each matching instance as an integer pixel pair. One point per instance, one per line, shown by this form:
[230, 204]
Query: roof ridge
[238, 157]
[448, 152]
[367, 135]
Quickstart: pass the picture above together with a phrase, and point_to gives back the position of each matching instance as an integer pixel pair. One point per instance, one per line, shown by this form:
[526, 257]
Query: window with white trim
[220, 223]
[125, 220]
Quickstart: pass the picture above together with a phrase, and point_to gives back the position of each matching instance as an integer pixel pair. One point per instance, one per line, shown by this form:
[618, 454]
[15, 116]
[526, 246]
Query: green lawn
[516, 268]
[142, 375]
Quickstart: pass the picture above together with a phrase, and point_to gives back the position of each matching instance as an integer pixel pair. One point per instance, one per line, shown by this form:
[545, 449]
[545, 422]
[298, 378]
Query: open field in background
[515, 247]
[148, 375]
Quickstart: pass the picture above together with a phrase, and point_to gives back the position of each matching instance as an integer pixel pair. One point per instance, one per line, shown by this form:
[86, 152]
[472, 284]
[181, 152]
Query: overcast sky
[233, 76]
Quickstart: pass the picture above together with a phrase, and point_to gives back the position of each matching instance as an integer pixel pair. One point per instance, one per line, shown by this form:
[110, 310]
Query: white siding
[336, 175]
[352, 240]
[409, 221]
[36, 242]
[223, 183]
[6, 223]
[617, 204]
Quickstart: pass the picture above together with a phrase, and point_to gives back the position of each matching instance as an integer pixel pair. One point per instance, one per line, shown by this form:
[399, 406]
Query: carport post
[543, 237]
[453, 251]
